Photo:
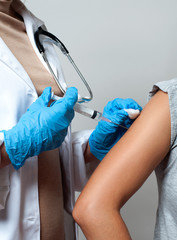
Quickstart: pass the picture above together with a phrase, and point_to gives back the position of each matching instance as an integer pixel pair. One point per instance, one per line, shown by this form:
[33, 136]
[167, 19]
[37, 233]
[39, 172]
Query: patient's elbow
[91, 215]
[84, 213]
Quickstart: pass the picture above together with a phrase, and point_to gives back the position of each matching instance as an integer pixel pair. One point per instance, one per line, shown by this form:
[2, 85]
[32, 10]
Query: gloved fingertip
[71, 96]
[133, 104]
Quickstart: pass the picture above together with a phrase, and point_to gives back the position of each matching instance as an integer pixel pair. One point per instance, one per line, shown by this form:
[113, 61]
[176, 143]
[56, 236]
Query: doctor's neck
[5, 6]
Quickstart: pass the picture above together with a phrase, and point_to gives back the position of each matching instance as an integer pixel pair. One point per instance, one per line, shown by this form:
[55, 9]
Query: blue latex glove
[41, 128]
[107, 134]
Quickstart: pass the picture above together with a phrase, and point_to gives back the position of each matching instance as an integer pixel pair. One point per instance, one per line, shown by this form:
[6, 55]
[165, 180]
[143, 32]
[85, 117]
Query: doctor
[36, 137]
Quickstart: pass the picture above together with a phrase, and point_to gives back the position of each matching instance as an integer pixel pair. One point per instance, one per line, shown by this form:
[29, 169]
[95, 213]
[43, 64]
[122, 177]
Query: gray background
[122, 47]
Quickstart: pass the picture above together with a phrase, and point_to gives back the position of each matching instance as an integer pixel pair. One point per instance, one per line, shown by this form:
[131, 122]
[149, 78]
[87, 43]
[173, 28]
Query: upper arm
[134, 157]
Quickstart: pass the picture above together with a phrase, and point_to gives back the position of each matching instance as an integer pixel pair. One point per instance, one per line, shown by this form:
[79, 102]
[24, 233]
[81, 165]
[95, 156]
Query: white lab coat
[19, 203]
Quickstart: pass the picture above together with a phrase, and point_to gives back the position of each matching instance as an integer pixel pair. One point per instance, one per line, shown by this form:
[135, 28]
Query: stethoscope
[94, 114]
[53, 39]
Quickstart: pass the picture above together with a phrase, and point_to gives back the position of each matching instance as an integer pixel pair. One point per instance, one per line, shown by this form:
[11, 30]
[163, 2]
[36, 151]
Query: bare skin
[123, 171]
[4, 157]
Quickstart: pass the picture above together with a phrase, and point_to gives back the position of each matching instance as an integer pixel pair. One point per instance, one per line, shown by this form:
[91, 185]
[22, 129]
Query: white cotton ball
[132, 113]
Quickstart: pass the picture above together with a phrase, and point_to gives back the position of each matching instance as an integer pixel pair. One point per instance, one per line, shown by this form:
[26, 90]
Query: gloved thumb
[45, 97]
[42, 101]
[71, 96]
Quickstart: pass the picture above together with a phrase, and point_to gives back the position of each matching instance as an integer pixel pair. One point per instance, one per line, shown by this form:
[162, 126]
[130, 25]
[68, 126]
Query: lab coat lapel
[7, 57]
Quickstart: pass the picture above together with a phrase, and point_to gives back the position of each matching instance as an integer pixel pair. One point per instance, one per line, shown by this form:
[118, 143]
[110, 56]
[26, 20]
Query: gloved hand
[41, 128]
[107, 134]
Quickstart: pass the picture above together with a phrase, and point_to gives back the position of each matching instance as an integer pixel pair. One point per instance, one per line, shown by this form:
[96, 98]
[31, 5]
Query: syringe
[96, 115]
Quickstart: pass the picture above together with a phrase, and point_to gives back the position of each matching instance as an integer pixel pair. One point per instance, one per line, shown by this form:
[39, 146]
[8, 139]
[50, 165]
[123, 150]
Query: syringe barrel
[88, 112]
[78, 107]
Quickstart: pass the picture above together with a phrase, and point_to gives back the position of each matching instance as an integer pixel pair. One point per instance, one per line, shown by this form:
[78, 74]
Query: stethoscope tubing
[54, 40]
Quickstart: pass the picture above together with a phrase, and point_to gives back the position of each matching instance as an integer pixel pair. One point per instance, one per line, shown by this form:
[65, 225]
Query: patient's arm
[123, 171]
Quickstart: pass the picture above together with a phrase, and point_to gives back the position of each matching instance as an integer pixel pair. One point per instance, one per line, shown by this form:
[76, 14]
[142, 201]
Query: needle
[96, 115]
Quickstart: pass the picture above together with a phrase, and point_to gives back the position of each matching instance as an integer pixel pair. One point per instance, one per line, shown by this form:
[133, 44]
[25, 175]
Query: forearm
[4, 157]
[88, 156]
